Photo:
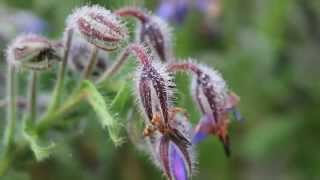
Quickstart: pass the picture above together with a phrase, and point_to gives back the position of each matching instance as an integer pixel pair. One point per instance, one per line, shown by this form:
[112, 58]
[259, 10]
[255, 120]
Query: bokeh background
[267, 50]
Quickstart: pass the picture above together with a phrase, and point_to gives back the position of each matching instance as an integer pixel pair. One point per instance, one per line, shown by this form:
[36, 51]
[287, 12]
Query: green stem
[59, 85]
[92, 62]
[11, 120]
[56, 117]
[115, 67]
[32, 101]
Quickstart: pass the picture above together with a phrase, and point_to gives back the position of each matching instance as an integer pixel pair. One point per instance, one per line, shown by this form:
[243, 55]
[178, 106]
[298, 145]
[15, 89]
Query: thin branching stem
[59, 85]
[11, 120]
[92, 63]
[68, 106]
[115, 67]
[32, 101]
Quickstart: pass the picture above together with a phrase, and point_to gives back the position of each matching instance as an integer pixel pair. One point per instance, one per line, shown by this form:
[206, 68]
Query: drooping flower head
[152, 30]
[98, 26]
[213, 98]
[167, 132]
[32, 51]
[176, 159]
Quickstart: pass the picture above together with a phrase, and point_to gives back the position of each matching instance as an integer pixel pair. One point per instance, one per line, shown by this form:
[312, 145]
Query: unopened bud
[214, 99]
[154, 84]
[32, 51]
[152, 30]
[98, 26]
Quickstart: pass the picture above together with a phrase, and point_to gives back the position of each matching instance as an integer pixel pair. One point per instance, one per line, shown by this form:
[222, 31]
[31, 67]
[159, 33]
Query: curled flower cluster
[169, 136]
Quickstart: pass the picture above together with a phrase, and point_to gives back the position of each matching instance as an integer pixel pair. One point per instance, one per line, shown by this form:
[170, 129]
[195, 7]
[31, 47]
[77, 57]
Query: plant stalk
[92, 63]
[115, 67]
[59, 85]
[32, 101]
[11, 121]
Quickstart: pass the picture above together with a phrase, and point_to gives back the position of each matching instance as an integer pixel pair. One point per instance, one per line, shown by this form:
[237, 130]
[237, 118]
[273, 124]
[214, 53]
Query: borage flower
[167, 133]
[152, 30]
[168, 152]
[213, 98]
[32, 51]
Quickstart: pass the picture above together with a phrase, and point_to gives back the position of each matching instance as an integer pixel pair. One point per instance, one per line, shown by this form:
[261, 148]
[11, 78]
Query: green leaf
[107, 120]
[41, 152]
[122, 99]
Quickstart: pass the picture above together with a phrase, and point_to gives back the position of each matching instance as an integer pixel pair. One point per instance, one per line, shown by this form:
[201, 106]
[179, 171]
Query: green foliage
[40, 151]
[106, 118]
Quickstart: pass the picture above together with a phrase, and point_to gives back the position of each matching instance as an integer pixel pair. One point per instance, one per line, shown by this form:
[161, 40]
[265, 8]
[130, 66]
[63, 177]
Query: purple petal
[178, 167]
[198, 137]
[203, 128]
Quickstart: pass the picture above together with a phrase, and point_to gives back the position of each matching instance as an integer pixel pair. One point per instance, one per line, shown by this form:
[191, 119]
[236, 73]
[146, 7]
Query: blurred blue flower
[16, 22]
[29, 23]
[173, 10]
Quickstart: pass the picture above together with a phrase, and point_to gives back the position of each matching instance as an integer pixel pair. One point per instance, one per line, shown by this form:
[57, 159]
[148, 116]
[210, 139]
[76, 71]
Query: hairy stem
[11, 120]
[115, 67]
[184, 66]
[59, 85]
[132, 12]
[92, 62]
[69, 105]
[143, 57]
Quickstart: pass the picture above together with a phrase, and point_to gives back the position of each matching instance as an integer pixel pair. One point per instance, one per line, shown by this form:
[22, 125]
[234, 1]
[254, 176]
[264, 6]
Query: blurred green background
[267, 50]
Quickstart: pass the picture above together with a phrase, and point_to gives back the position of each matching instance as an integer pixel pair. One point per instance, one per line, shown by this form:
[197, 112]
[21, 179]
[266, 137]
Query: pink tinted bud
[154, 85]
[98, 26]
[211, 93]
[209, 89]
[32, 51]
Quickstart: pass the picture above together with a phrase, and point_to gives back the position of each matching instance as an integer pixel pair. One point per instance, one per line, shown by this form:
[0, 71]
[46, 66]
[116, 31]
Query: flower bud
[174, 158]
[98, 26]
[152, 30]
[32, 51]
[210, 92]
[154, 85]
